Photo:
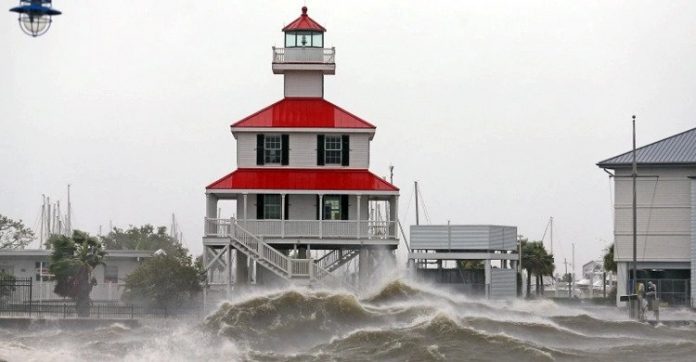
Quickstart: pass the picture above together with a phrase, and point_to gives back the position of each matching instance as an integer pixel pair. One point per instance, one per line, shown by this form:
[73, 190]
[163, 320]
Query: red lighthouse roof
[304, 22]
[303, 113]
[302, 179]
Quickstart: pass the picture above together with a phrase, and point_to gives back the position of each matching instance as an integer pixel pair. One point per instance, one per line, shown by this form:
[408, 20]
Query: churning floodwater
[400, 321]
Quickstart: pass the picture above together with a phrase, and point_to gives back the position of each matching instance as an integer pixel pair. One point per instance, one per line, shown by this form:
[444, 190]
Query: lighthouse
[306, 201]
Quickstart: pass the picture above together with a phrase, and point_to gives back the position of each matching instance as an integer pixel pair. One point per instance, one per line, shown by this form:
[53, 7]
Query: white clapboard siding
[303, 151]
[664, 215]
[304, 84]
[303, 207]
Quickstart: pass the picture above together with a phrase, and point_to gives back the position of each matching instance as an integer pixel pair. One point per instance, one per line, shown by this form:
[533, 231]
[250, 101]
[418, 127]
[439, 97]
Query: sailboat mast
[68, 219]
[416, 191]
[43, 221]
[551, 221]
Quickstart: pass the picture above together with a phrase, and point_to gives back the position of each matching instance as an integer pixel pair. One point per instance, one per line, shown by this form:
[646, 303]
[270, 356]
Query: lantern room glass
[307, 39]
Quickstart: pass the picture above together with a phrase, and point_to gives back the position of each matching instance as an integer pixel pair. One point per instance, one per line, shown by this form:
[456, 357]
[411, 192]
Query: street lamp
[35, 16]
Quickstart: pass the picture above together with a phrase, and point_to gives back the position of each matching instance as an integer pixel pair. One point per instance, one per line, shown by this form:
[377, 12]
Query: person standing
[653, 302]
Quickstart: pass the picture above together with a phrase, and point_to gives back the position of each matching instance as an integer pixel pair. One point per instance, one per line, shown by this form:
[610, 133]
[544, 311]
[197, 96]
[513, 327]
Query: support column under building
[364, 266]
[487, 277]
[621, 280]
[242, 269]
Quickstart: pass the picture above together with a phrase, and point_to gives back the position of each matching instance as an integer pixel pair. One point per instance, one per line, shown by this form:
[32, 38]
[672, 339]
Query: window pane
[304, 39]
[332, 208]
[111, 274]
[318, 40]
[290, 40]
[272, 149]
[332, 150]
[271, 207]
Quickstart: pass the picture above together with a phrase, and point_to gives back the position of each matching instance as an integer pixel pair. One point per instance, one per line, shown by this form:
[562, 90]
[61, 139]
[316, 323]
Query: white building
[33, 263]
[438, 251]
[305, 198]
[666, 221]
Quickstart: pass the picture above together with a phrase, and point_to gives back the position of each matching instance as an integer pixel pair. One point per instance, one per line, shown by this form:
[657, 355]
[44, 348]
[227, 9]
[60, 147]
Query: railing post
[358, 213]
[321, 216]
[282, 215]
[310, 266]
[289, 268]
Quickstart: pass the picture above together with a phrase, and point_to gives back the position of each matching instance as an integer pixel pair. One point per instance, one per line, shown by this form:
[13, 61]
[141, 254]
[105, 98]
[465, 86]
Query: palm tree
[535, 260]
[72, 262]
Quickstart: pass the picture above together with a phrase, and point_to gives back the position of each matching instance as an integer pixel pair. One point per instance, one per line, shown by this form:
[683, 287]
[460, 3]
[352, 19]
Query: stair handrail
[321, 275]
[261, 248]
[329, 258]
[266, 252]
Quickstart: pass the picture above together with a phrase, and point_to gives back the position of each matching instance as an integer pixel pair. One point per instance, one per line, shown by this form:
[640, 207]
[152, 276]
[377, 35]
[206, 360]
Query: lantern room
[304, 32]
[304, 50]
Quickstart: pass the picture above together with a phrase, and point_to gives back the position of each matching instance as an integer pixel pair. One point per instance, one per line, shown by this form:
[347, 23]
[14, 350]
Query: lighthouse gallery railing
[329, 229]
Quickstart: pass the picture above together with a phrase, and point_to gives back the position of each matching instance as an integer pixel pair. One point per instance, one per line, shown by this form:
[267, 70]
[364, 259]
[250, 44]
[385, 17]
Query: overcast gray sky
[499, 109]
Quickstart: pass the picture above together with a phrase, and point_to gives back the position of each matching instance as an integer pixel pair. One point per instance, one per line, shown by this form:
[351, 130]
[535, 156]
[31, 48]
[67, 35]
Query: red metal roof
[303, 113]
[302, 179]
[304, 22]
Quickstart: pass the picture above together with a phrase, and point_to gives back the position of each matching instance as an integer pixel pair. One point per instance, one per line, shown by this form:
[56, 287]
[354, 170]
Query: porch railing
[304, 55]
[324, 229]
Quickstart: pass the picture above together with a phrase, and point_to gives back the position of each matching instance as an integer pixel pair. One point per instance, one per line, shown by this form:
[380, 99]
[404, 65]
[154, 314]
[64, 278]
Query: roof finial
[304, 10]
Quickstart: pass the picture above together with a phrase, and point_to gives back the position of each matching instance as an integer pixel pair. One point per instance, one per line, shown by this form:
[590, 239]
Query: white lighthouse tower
[303, 189]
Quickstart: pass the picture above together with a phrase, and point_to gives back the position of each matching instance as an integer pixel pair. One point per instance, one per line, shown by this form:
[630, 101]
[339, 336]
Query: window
[111, 274]
[42, 273]
[6, 269]
[332, 208]
[332, 149]
[272, 149]
[271, 207]
[290, 40]
[304, 39]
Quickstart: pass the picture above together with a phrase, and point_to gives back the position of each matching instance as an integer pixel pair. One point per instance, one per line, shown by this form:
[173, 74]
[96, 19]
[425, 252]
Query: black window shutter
[318, 207]
[259, 207]
[287, 207]
[344, 207]
[285, 153]
[345, 150]
[259, 149]
[320, 150]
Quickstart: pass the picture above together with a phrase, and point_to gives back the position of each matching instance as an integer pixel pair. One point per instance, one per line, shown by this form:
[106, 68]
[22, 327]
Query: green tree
[609, 262]
[13, 234]
[72, 262]
[164, 281]
[6, 285]
[536, 261]
[143, 238]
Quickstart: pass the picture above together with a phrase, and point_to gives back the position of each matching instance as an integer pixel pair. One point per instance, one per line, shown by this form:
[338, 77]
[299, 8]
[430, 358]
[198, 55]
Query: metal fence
[16, 300]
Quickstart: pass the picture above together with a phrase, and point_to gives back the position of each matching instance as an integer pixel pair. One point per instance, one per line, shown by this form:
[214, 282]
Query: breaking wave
[401, 321]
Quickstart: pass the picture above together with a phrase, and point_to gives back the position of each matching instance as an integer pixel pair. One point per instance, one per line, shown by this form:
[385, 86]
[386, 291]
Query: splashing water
[402, 321]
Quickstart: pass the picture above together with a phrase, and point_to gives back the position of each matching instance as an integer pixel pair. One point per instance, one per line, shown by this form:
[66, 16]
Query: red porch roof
[304, 22]
[301, 179]
[303, 113]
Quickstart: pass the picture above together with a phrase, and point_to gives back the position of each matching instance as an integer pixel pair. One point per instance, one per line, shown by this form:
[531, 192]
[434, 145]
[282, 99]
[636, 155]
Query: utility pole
[416, 191]
[634, 175]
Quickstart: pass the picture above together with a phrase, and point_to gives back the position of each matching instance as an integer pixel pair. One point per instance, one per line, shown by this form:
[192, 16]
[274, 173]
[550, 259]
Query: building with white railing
[305, 201]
